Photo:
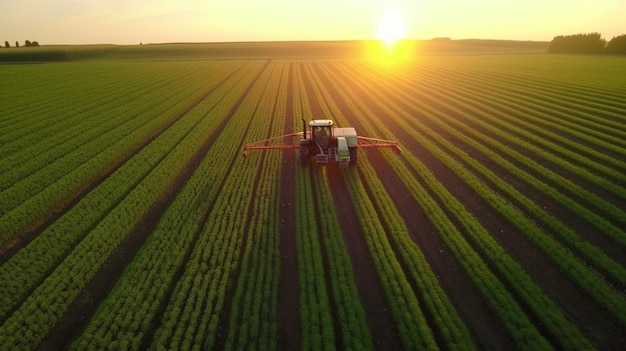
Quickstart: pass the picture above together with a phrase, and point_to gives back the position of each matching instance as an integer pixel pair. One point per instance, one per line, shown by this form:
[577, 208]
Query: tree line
[588, 43]
[27, 43]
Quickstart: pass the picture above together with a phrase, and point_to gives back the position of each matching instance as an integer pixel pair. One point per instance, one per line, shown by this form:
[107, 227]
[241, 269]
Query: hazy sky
[152, 21]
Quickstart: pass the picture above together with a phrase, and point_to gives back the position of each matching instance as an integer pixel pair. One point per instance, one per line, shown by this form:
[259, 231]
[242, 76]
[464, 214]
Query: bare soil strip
[288, 313]
[84, 306]
[382, 327]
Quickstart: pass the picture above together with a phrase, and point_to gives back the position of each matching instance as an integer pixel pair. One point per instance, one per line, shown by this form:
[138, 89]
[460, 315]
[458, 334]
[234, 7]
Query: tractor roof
[321, 123]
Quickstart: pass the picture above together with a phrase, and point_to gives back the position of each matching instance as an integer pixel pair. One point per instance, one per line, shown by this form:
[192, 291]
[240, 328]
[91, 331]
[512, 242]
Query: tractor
[325, 143]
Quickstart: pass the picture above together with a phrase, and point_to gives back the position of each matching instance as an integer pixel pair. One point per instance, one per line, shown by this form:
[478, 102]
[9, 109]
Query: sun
[391, 27]
[392, 45]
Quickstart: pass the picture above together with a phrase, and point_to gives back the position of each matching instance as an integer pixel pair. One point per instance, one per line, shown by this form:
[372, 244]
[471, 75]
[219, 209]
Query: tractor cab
[321, 132]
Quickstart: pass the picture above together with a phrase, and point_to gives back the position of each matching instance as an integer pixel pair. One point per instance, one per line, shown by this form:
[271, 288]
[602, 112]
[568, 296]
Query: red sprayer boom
[325, 143]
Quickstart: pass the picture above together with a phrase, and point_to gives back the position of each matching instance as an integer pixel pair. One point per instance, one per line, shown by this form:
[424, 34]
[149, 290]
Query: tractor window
[322, 132]
[322, 136]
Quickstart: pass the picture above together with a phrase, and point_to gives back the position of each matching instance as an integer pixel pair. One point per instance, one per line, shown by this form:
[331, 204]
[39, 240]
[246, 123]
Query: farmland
[129, 219]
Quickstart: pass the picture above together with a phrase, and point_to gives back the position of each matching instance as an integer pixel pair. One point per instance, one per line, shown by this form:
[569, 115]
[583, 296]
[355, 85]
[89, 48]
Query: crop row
[172, 273]
[30, 265]
[585, 283]
[201, 297]
[605, 224]
[131, 190]
[320, 240]
[409, 316]
[37, 148]
[481, 146]
[29, 113]
[314, 300]
[443, 315]
[86, 120]
[538, 115]
[134, 308]
[33, 198]
[513, 115]
[594, 109]
[82, 104]
[511, 314]
[255, 295]
[526, 288]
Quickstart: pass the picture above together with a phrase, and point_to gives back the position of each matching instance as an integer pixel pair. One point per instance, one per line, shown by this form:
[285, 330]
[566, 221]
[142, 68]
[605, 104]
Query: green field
[129, 219]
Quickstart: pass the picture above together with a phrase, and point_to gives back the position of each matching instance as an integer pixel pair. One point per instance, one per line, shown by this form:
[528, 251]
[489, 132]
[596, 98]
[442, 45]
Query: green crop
[500, 225]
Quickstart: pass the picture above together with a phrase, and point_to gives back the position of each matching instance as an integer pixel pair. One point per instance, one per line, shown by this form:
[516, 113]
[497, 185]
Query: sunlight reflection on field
[392, 53]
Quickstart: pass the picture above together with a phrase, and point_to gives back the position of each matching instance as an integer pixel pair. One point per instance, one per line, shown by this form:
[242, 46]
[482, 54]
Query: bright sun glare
[391, 27]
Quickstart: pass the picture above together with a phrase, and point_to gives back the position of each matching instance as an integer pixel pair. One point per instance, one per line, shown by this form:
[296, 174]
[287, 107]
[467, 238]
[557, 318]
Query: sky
[161, 21]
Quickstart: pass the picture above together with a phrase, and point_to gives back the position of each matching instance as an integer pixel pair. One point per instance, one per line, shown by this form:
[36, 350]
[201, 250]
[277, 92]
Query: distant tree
[27, 43]
[35, 43]
[6, 44]
[617, 45]
[591, 43]
[17, 44]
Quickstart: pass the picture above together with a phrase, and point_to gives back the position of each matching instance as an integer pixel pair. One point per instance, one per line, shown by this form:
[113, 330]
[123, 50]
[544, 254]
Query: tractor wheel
[352, 156]
[304, 155]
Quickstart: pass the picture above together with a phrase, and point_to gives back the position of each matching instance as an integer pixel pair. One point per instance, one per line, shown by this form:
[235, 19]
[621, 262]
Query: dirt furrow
[288, 314]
